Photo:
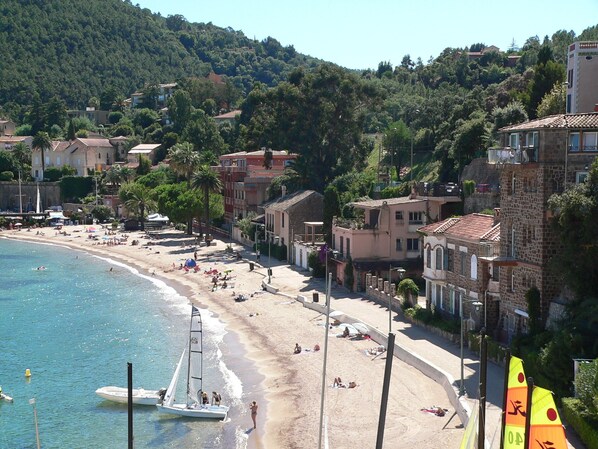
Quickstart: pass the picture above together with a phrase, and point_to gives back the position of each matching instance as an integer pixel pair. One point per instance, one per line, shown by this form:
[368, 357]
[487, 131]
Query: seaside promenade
[439, 353]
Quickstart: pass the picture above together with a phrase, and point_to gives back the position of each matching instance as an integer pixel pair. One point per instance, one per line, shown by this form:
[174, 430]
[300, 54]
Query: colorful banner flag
[515, 406]
[546, 430]
[470, 437]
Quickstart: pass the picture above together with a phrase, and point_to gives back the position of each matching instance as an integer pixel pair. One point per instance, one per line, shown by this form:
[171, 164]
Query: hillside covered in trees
[77, 49]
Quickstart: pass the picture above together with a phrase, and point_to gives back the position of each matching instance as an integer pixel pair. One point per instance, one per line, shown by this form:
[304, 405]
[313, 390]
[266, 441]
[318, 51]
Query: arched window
[474, 267]
[438, 259]
[429, 257]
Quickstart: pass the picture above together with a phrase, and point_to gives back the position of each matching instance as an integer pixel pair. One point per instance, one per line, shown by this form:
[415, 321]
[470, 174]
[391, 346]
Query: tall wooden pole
[130, 401]
[385, 390]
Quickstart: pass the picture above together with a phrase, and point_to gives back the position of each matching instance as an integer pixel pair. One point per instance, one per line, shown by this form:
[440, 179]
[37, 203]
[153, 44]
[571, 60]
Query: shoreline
[260, 335]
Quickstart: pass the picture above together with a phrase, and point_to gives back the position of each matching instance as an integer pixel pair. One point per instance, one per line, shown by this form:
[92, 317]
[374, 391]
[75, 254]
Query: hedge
[587, 430]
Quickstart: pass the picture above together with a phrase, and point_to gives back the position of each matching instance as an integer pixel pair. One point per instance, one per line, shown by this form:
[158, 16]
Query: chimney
[284, 191]
[496, 215]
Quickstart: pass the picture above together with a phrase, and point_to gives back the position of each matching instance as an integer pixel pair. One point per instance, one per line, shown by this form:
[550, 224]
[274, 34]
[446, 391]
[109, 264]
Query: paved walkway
[435, 350]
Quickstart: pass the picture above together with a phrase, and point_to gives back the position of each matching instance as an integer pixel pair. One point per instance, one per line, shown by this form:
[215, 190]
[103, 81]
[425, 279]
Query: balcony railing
[351, 223]
[583, 149]
[309, 238]
[508, 155]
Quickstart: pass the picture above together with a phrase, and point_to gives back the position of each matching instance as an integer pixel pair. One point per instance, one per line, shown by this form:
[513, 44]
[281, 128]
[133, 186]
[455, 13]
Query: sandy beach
[263, 332]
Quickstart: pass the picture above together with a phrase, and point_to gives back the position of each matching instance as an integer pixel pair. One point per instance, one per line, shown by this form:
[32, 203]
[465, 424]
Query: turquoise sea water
[75, 325]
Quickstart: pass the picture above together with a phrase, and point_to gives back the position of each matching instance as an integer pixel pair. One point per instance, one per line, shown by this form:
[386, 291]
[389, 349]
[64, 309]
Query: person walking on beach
[253, 408]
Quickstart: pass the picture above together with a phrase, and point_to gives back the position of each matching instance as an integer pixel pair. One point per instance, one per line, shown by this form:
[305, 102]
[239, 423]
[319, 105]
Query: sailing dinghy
[193, 406]
[121, 395]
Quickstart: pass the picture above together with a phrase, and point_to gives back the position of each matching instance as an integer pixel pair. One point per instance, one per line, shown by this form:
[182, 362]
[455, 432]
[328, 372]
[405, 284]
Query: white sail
[195, 374]
[38, 205]
[170, 392]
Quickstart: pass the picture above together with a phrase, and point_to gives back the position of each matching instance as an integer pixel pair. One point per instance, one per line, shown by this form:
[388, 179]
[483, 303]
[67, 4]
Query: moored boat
[121, 395]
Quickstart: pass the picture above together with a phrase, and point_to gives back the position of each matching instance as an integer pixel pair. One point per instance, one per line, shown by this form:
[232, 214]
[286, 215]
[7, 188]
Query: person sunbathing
[337, 382]
[297, 349]
[346, 332]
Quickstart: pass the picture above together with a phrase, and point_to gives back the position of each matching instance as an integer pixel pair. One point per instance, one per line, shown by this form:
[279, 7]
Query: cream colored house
[84, 155]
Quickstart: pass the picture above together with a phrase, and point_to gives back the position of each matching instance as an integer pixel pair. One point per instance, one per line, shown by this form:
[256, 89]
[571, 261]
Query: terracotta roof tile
[587, 120]
[467, 227]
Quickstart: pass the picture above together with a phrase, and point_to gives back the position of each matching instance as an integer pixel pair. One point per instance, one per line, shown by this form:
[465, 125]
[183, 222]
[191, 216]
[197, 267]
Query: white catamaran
[194, 406]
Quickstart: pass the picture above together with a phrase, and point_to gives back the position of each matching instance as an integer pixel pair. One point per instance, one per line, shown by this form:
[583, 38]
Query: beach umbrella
[190, 263]
[336, 314]
[18, 224]
[361, 328]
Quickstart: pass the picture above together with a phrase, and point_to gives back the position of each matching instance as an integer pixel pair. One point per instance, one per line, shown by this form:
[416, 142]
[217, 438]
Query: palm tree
[184, 160]
[138, 199]
[42, 142]
[208, 181]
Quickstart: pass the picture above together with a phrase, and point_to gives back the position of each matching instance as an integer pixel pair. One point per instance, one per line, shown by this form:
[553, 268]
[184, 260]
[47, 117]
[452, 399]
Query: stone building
[459, 255]
[536, 159]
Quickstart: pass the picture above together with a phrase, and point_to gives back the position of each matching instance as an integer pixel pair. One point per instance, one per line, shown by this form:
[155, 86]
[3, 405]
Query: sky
[361, 34]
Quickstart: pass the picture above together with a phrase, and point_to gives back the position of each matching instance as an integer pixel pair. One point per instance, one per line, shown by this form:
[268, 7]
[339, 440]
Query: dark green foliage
[6, 176]
[102, 213]
[586, 426]
[51, 44]
[586, 386]
[532, 297]
[331, 209]
[468, 187]
[72, 188]
[313, 262]
[144, 166]
[53, 174]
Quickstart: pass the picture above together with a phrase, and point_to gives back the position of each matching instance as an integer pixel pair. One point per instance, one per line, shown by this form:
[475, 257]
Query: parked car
[452, 188]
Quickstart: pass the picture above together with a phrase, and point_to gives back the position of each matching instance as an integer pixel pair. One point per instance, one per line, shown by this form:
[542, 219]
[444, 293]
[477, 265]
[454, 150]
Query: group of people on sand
[298, 348]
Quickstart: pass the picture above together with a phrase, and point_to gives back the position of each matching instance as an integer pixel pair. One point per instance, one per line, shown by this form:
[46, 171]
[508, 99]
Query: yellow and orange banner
[546, 430]
[516, 406]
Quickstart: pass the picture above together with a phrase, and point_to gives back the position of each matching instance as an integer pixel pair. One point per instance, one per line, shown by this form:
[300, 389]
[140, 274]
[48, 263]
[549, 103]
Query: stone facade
[528, 241]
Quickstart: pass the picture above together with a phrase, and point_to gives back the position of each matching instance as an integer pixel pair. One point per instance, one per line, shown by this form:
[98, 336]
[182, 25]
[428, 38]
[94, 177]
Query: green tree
[408, 290]
[202, 132]
[145, 117]
[180, 203]
[554, 102]
[547, 73]
[179, 109]
[396, 140]
[138, 199]
[184, 160]
[208, 181]
[42, 142]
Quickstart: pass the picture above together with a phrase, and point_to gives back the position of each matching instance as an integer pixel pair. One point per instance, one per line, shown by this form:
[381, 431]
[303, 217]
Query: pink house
[384, 236]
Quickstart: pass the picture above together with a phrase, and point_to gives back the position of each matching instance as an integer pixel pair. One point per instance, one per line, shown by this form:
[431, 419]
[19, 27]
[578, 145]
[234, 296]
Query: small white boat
[193, 407]
[121, 395]
[5, 397]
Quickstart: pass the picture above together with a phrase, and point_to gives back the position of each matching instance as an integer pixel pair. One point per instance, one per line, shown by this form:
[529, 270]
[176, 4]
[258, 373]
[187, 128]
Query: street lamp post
[477, 305]
[323, 394]
[401, 272]
[269, 261]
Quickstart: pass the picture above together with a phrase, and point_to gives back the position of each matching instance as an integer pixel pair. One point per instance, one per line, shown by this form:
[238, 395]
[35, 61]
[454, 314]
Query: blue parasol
[190, 263]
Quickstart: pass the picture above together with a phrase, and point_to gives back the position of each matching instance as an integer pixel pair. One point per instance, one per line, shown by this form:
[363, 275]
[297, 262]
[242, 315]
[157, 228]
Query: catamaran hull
[195, 411]
[121, 395]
